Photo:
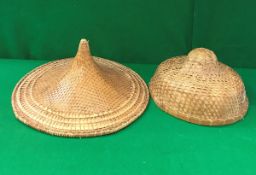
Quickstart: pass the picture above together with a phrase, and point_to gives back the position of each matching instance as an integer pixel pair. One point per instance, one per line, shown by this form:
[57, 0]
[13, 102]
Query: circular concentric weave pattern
[199, 89]
[81, 96]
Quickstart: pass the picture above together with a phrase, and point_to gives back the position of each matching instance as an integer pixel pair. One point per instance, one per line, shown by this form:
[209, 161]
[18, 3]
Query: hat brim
[28, 111]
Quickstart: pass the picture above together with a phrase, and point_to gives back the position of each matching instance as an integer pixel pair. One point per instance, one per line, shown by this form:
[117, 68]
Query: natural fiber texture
[83, 96]
[199, 89]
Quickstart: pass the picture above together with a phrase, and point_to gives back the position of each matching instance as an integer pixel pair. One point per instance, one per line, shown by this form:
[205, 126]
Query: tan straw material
[199, 89]
[82, 96]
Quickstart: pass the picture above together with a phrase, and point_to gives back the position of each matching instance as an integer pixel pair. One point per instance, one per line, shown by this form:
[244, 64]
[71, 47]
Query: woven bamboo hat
[199, 89]
[80, 96]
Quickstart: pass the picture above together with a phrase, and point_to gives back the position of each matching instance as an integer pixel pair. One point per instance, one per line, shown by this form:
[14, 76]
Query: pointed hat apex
[83, 51]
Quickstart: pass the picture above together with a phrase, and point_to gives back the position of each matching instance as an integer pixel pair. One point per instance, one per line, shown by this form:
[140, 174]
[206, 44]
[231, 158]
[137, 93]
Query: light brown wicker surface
[82, 96]
[199, 89]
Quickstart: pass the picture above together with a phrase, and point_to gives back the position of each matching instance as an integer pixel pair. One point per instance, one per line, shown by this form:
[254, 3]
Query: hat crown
[202, 55]
[87, 83]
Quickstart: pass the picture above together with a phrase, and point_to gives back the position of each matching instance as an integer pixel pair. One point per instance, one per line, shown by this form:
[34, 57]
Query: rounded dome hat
[80, 96]
[199, 89]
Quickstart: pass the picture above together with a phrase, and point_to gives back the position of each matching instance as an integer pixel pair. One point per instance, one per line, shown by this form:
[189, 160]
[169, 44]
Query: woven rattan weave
[199, 89]
[81, 96]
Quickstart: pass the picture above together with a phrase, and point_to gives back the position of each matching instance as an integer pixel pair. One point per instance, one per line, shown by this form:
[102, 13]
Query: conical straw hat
[199, 89]
[81, 96]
